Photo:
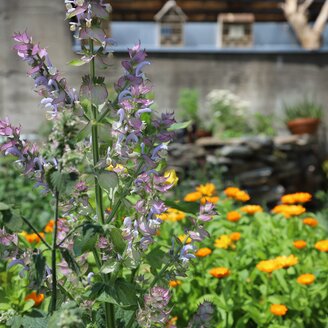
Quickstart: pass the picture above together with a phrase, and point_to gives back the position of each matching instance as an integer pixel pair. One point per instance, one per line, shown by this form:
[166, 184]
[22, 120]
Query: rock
[237, 151]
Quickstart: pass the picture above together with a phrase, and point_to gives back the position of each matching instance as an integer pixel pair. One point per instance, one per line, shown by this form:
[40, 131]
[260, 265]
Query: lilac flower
[187, 253]
[203, 317]
[206, 212]
[155, 308]
[7, 239]
[50, 86]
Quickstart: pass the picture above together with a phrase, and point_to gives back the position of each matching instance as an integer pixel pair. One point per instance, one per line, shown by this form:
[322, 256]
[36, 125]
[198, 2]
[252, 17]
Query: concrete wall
[265, 80]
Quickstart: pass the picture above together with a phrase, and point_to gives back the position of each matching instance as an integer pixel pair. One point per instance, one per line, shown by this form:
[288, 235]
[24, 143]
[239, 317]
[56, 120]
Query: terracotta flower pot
[303, 125]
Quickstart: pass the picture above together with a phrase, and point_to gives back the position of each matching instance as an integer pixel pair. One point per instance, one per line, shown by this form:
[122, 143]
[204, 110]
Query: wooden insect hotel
[170, 20]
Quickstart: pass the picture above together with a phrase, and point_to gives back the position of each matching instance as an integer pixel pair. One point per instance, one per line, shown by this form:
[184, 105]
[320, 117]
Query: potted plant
[303, 117]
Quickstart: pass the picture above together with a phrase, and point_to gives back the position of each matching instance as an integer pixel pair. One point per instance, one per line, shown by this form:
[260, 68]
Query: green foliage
[232, 117]
[18, 189]
[188, 103]
[306, 108]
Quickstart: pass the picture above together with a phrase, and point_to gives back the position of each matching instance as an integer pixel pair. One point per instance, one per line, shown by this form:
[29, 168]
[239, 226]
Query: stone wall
[265, 167]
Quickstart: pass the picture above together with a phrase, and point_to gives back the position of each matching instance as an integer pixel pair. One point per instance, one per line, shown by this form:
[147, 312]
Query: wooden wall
[205, 10]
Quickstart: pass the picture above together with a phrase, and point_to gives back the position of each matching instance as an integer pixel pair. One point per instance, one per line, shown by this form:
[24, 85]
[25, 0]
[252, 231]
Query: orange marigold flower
[182, 238]
[322, 245]
[289, 210]
[299, 244]
[233, 216]
[235, 236]
[267, 266]
[231, 191]
[32, 237]
[299, 197]
[223, 241]
[306, 279]
[278, 309]
[193, 196]
[286, 261]
[310, 222]
[251, 209]
[174, 283]
[207, 189]
[202, 252]
[242, 196]
[37, 298]
[206, 199]
[172, 322]
[172, 215]
[50, 226]
[220, 272]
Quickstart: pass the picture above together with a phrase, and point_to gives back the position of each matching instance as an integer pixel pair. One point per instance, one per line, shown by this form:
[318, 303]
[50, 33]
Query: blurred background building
[247, 47]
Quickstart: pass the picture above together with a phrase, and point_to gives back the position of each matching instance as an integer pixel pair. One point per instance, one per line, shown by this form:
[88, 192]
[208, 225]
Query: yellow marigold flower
[50, 226]
[202, 252]
[219, 272]
[299, 244]
[322, 245]
[171, 177]
[289, 210]
[193, 196]
[174, 283]
[299, 197]
[267, 266]
[235, 236]
[172, 215]
[231, 191]
[306, 279]
[233, 216]
[182, 238]
[223, 241]
[207, 189]
[118, 168]
[310, 222]
[286, 261]
[206, 199]
[32, 237]
[37, 298]
[242, 196]
[278, 309]
[251, 209]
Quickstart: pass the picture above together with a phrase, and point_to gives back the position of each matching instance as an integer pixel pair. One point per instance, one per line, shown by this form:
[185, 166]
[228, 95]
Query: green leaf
[85, 243]
[126, 292]
[40, 268]
[120, 293]
[187, 207]
[77, 62]
[108, 180]
[84, 133]
[117, 240]
[4, 207]
[59, 180]
[72, 264]
[109, 266]
[156, 258]
[179, 126]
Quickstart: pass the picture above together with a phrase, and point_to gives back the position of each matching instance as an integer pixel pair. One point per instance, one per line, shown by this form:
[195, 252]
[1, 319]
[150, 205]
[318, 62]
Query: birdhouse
[170, 20]
[235, 30]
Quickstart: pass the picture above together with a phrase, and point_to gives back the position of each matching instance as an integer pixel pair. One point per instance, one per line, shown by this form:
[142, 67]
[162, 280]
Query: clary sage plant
[96, 263]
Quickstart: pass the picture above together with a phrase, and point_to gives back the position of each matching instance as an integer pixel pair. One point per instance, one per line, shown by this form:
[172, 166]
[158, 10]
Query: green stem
[53, 256]
[109, 308]
[36, 232]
